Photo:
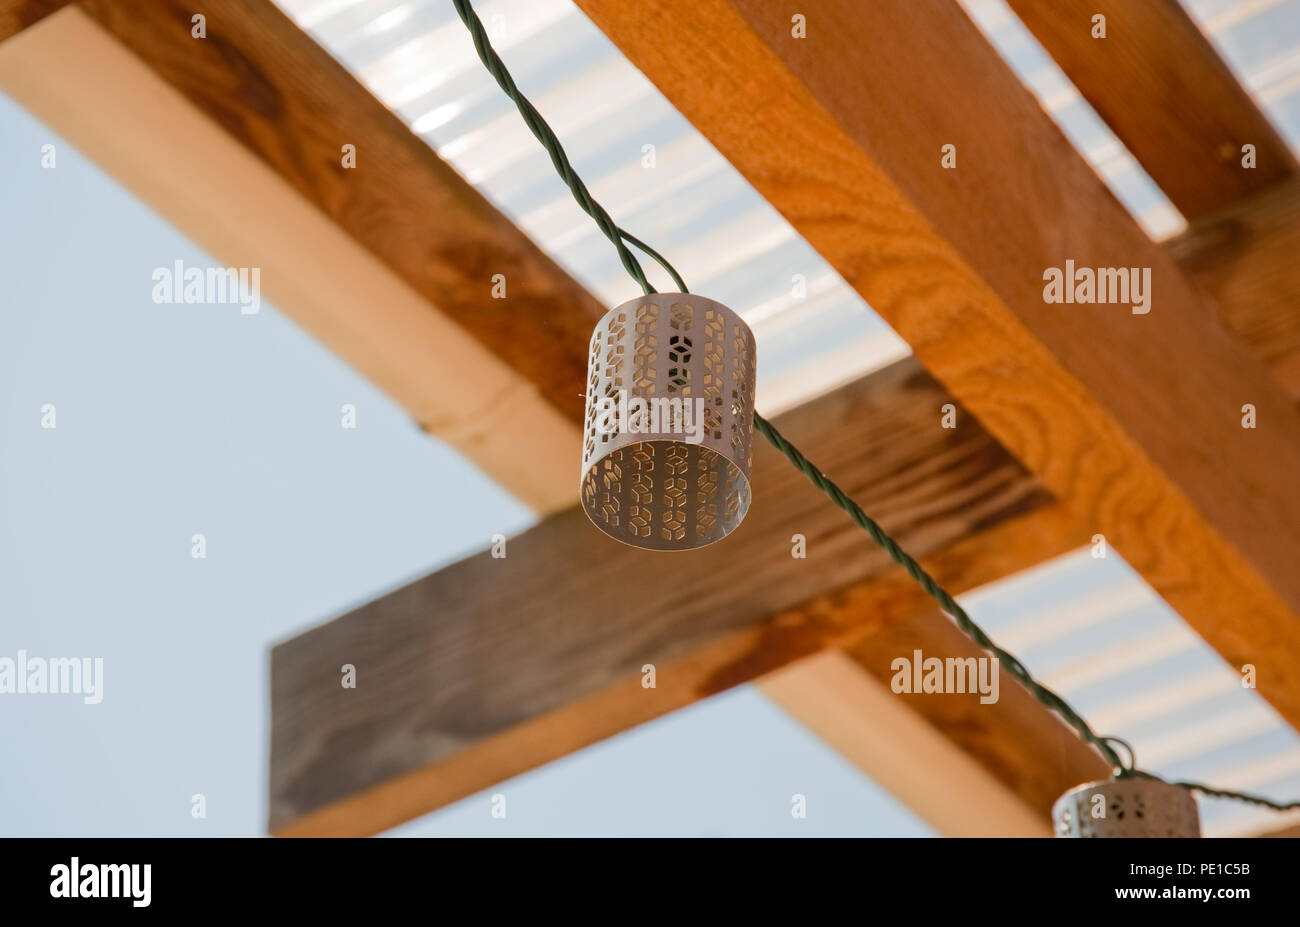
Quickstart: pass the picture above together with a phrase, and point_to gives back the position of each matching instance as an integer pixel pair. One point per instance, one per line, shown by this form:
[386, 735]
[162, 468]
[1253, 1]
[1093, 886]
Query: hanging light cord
[621, 239]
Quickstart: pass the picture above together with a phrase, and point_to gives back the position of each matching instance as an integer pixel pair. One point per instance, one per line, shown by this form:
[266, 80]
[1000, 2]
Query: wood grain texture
[290, 103]
[1133, 421]
[1163, 89]
[1244, 256]
[89, 88]
[17, 15]
[490, 648]
[878, 732]
[824, 622]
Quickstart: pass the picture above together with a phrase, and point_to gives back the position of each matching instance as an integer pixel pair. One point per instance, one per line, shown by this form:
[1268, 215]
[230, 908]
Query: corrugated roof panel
[1090, 136]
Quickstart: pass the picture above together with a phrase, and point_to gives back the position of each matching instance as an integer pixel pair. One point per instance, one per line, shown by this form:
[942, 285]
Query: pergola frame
[1074, 420]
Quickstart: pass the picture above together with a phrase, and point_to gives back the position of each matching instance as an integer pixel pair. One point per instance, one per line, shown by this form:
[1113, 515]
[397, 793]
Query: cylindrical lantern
[668, 438]
[1134, 806]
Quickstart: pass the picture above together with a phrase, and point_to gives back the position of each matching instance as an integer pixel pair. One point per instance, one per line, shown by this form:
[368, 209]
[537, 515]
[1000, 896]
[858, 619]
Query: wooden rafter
[1244, 257]
[289, 102]
[409, 788]
[1159, 84]
[1133, 420]
[354, 299]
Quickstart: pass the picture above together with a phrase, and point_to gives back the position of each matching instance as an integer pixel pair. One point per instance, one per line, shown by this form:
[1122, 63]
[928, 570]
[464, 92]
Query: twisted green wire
[537, 125]
[937, 592]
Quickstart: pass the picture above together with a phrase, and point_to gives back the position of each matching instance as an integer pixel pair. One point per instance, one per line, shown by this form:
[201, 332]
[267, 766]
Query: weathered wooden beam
[1132, 419]
[299, 230]
[1163, 89]
[492, 666]
[820, 624]
[1244, 256]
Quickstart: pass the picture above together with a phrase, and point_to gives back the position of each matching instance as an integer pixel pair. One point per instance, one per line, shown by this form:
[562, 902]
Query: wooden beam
[17, 15]
[1244, 256]
[1132, 420]
[848, 616]
[492, 666]
[286, 100]
[1160, 85]
[737, 657]
[89, 88]
[875, 730]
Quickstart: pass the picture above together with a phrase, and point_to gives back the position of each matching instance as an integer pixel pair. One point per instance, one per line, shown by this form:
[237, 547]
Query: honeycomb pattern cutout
[715, 328]
[741, 425]
[645, 348]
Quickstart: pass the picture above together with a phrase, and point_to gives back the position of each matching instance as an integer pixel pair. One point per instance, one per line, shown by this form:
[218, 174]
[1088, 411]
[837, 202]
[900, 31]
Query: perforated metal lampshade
[669, 427]
[1130, 807]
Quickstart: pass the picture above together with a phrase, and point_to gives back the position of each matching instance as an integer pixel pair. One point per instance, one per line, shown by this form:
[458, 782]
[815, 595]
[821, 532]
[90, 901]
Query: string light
[668, 433]
[1127, 781]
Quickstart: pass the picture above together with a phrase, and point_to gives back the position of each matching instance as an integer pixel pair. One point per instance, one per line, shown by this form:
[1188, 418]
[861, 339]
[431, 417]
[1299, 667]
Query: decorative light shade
[669, 427]
[1134, 806]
